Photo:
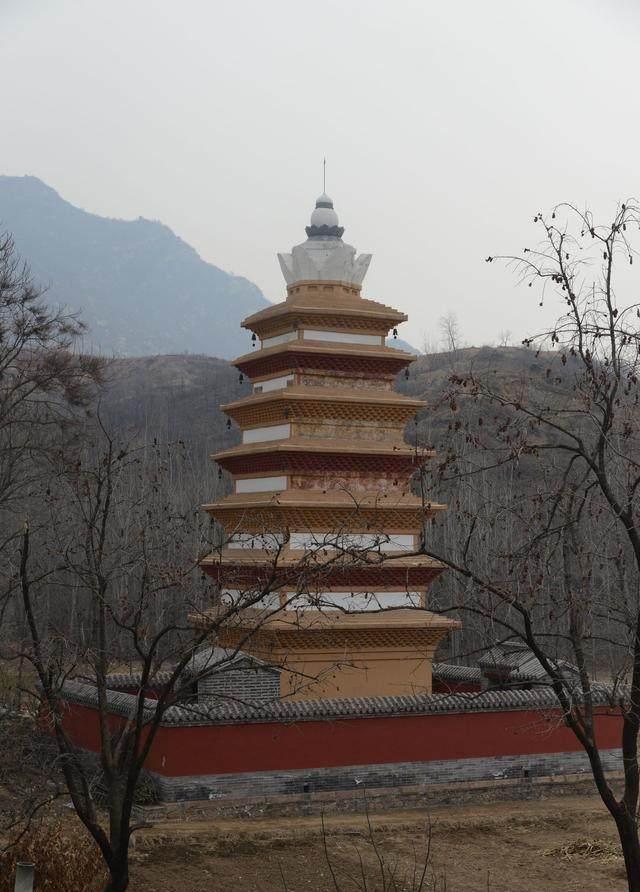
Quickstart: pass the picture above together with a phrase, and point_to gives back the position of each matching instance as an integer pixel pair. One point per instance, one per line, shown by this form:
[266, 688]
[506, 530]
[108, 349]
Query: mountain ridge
[141, 289]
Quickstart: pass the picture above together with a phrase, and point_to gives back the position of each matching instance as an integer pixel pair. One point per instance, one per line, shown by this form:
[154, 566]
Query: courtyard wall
[293, 748]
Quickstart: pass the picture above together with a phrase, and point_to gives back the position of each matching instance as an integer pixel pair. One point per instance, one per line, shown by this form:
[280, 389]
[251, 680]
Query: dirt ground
[566, 844]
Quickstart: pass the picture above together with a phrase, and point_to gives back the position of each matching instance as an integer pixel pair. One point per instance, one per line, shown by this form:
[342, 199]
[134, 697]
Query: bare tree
[46, 388]
[109, 577]
[429, 344]
[548, 548]
[450, 332]
[43, 382]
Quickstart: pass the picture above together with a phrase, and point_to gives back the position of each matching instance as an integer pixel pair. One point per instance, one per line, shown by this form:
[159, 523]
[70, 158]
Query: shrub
[147, 790]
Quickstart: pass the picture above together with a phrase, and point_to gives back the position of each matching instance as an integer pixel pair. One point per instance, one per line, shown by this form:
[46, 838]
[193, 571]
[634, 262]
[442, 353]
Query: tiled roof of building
[133, 679]
[314, 710]
[211, 659]
[514, 661]
[451, 672]
[519, 663]
[205, 661]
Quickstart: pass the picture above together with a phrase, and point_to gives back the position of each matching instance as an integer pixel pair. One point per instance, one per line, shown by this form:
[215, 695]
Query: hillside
[140, 288]
[505, 367]
[177, 397]
[174, 398]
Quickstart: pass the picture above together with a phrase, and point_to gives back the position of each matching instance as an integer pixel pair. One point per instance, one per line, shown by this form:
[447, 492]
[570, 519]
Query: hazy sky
[446, 126]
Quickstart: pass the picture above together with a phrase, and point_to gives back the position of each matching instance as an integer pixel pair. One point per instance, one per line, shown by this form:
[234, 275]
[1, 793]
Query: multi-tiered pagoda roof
[322, 521]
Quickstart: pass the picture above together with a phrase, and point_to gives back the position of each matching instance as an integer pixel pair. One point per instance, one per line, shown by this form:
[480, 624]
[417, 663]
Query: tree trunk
[628, 831]
[119, 833]
[119, 875]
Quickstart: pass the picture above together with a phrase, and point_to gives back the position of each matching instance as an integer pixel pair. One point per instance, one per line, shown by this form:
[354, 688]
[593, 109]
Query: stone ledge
[341, 782]
[416, 796]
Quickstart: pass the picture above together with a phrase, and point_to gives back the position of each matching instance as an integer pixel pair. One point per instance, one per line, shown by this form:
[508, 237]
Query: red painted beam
[336, 463]
[292, 360]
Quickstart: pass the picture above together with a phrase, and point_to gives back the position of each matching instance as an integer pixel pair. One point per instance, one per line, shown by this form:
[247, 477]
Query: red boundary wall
[183, 750]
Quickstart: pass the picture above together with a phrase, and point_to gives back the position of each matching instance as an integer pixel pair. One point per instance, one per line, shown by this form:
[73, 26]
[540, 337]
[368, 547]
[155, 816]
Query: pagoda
[321, 522]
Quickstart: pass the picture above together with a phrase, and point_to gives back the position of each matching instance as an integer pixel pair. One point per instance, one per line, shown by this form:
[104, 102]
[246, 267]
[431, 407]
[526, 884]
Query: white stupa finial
[324, 256]
[324, 220]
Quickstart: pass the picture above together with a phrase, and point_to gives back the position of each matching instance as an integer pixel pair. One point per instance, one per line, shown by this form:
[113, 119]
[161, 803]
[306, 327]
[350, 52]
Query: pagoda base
[332, 654]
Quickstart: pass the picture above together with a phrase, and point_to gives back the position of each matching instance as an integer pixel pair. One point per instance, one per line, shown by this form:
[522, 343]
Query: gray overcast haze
[446, 126]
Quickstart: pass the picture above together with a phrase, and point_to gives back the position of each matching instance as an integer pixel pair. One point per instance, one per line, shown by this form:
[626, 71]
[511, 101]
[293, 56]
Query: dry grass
[604, 851]
[66, 860]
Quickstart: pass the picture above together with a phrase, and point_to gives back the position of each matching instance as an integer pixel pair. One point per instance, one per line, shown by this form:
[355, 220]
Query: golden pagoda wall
[353, 383]
[362, 430]
[352, 483]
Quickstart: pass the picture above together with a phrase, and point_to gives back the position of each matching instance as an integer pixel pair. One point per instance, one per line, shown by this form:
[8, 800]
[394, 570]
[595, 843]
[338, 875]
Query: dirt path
[488, 847]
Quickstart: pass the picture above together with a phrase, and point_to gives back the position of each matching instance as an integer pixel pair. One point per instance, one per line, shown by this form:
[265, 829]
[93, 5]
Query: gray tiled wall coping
[226, 712]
